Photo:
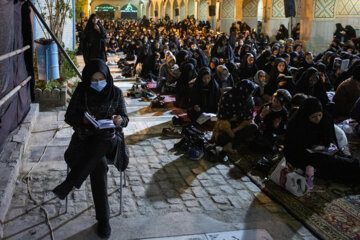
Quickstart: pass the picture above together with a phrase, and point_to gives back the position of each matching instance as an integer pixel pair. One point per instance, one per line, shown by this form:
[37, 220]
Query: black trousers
[334, 167]
[93, 162]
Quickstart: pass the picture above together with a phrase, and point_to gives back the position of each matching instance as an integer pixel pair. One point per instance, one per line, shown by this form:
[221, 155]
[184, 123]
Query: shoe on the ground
[171, 132]
[62, 190]
[104, 229]
[195, 153]
[140, 81]
[147, 94]
[158, 102]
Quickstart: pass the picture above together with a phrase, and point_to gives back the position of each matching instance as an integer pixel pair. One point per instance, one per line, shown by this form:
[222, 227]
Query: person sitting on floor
[260, 80]
[272, 119]
[235, 115]
[204, 96]
[310, 140]
[168, 75]
[224, 78]
[347, 93]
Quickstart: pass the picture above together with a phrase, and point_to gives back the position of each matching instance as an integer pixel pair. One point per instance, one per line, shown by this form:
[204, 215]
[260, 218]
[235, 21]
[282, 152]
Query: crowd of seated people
[266, 94]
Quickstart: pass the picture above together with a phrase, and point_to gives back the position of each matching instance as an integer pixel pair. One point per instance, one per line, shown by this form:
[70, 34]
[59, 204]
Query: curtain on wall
[16, 32]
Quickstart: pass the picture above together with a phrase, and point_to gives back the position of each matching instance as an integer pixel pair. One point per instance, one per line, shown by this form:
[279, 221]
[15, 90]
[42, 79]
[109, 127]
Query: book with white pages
[100, 124]
[204, 117]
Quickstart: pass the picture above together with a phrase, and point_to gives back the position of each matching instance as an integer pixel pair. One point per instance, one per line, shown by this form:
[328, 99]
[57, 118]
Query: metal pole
[15, 90]
[55, 39]
[13, 53]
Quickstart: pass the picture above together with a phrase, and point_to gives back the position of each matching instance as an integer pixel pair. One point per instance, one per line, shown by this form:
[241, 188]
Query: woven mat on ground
[332, 210]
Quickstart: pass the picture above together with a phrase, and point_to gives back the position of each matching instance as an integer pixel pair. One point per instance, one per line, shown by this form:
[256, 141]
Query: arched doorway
[151, 10]
[260, 12]
[176, 13]
[182, 10]
[168, 8]
[105, 11]
[129, 11]
[156, 11]
[191, 8]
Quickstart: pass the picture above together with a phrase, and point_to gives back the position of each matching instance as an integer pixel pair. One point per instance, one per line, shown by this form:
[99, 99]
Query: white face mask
[99, 85]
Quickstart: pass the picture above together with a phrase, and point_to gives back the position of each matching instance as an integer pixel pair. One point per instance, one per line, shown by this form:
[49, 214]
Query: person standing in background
[94, 40]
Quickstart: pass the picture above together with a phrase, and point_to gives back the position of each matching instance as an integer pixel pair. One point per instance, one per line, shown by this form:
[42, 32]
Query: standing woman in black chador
[94, 40]
[90, 149]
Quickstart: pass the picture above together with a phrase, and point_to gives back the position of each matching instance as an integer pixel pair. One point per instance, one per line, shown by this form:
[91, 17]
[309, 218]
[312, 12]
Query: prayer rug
[331, 209]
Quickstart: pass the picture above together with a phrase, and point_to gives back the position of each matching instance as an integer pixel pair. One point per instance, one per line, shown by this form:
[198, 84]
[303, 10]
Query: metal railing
[23, 83]
[14, 53]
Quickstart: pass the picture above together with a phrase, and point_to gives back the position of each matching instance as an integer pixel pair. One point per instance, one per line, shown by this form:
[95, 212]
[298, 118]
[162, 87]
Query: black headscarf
[302, 133]
[271, 86]
[97, 65]
[188, 73]
[207, 97]
[202, 60]
[246, 71]
[318, 90]
[262, 59]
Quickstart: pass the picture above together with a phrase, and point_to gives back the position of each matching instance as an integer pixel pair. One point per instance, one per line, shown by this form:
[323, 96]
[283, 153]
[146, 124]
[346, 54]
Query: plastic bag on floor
[288, 179]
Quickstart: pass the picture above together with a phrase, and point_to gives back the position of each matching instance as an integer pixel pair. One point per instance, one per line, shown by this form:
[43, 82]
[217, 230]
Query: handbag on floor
[285, 177]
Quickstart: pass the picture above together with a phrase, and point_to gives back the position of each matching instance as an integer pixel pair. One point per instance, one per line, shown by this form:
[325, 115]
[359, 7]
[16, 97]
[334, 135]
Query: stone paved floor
[161, 181]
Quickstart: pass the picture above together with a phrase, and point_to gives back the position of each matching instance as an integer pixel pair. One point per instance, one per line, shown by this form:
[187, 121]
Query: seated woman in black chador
[309, 135]
[90, 149]
[205, 95]
[182, 85]
[248, 67]
[311, 84]
[94, 40]
[278, 70]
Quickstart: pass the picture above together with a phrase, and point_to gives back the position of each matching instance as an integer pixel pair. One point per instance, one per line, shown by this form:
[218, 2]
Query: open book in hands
[331, 150]
[100, 124]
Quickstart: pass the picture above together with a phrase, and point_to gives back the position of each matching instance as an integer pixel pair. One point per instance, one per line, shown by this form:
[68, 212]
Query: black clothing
[202, 60]
[206, 97]
[340, 33]
[263, 59]
[272, 85]
[182, 85]
[302, 135]
[94, 42]
[317, 90]
[247, 71]
[224, 52]
[90, 149]
[282, 33]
